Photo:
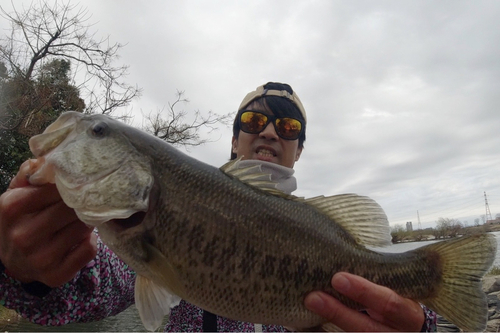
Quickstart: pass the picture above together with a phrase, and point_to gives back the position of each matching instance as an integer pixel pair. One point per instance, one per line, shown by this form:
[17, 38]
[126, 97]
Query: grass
[6, 316]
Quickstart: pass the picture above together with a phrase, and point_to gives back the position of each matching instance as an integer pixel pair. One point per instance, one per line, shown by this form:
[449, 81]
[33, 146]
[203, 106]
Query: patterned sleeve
[430, 323]
[103, 288]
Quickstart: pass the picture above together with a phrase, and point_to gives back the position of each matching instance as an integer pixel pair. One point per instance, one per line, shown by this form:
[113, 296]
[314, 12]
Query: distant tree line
[445, 228]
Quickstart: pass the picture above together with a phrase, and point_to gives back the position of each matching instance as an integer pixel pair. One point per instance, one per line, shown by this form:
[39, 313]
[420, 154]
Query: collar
[282, 175]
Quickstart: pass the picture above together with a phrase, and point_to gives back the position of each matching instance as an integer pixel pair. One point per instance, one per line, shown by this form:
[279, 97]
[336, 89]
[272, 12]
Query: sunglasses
[254, 122]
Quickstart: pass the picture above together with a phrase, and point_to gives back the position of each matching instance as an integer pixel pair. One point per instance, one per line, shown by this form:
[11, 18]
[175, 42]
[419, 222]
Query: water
[403, 247]
[129, 319]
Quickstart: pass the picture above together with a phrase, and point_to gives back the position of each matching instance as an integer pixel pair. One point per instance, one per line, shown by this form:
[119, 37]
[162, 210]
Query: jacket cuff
[36, 288]
[430, 322]
[33, 288]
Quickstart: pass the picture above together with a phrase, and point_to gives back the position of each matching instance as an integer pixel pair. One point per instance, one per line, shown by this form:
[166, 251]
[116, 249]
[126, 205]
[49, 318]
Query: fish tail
[460, 298]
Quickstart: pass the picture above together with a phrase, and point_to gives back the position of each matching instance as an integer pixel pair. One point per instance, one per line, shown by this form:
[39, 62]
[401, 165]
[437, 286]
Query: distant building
[495, 221]
[409, 226]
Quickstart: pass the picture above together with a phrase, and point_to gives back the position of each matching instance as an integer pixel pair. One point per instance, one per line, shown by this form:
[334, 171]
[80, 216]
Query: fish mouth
[54, 134]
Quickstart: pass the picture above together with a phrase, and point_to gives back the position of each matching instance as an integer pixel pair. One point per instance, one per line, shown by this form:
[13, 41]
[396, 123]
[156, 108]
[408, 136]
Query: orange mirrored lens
[288, 128]
[255, 122]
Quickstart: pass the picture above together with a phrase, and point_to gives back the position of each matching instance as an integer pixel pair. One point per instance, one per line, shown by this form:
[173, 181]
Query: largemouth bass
[227, 241]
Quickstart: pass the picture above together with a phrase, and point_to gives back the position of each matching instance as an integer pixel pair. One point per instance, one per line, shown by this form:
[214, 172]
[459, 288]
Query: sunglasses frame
[271, 118]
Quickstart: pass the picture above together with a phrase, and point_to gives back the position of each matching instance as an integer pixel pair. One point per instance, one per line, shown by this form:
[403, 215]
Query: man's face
[267, 145]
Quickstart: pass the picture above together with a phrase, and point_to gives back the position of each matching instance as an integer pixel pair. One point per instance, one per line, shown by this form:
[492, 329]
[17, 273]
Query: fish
[226, 240]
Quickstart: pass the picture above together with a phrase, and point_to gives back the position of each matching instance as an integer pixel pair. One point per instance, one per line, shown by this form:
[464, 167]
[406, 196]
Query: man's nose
[269, 132]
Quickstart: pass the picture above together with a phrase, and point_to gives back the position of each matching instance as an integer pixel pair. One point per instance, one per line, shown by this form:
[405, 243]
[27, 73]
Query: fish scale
[226, 240]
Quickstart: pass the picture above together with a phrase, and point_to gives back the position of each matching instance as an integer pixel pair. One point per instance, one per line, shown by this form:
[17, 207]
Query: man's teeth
[265, 152]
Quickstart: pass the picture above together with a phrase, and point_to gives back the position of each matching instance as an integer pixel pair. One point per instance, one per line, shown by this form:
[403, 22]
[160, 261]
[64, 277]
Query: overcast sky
[402, 97]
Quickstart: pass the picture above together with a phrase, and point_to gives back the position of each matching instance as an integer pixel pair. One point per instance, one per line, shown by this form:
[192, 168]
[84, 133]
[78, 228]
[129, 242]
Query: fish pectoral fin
[361, 216]
[153, 302]
[154, 297]
[162, 271]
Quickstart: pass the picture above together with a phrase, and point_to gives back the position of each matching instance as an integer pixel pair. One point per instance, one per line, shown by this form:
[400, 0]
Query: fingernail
[315, 302]
[341, 283]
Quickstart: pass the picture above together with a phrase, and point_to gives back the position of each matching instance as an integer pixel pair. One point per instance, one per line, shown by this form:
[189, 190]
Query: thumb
[21, 178]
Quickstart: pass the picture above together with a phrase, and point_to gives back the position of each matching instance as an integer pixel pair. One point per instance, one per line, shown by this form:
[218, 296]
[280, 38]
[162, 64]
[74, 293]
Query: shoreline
[430, 237]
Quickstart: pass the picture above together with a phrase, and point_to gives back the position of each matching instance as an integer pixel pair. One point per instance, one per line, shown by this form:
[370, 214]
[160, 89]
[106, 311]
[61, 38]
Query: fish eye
[100, 129]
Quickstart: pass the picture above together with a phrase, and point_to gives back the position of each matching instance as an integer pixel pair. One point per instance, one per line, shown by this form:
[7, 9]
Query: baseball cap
[261, 91]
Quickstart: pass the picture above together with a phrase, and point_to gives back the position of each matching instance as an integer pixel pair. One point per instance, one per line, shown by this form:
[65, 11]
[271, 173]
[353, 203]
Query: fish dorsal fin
[153, 302]
[361, 216]
[252, 175]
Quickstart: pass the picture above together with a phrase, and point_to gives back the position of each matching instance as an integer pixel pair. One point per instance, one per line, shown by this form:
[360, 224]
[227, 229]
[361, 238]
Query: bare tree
[398, 233]
[46, 31]
[175, 128]
[447, 227]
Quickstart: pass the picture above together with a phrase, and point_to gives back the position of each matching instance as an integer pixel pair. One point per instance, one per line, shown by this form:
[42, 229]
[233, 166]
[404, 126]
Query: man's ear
[297, 155]
[234, 143]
